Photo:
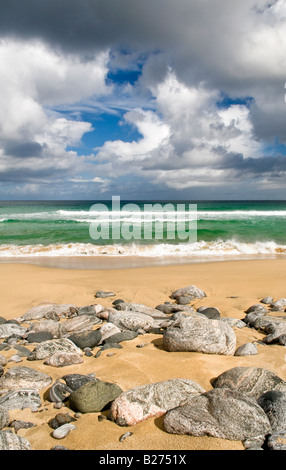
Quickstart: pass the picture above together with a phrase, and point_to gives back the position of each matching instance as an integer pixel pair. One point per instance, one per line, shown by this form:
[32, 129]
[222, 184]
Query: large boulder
[155, 399]
[198, 333]
[254, 381]
[221, 413]
[9, 441]
[48, 348]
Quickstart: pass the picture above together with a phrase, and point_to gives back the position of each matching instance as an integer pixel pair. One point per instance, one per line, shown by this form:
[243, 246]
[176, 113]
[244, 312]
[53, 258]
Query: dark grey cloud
[23, 149]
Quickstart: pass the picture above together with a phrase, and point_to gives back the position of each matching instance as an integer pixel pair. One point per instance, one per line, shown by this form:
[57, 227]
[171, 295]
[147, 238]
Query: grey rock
[63, 431]
[59, 392]
[247, 349]
[86, 339]
[212, 313]
[141, 403]
[276, 441]
[3, 360]
[107, 330]
[279, 305]
[184, 300]
[122, 336]
[94, 396]
[9, 441]
[9, 329]
[20, 399]
[254, 381]
[131, 320]
[108, 346]
[198, 333]
[52, 326]
[267, 300]
[169, 308]
[63, 359]
[22, 350]
[274, 405]
[24, 377]
[48, 348]
[78, 324]
[91, 310]
[4, 418]
[19, 424]
[234, 322]
[44, 310]
[221, 413]
[257, 308]
[39, 337]
[191, 291]
[104, 294]
[133, 307]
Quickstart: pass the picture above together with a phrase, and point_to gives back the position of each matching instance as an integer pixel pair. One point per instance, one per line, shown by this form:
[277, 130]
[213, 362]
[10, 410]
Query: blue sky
[154, 100]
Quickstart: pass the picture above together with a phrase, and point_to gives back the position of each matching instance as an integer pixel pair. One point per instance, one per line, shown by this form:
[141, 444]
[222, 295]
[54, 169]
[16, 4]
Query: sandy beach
[231, 286]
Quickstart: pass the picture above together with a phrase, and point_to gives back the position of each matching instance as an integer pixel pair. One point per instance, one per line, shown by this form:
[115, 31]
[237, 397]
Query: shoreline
[231, 286]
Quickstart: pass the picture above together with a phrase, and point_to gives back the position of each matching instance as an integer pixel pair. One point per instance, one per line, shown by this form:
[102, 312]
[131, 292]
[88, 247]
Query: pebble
[123, 437]
[63, 431]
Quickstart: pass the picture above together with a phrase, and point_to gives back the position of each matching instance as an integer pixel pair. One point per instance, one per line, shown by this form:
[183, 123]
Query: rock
[274, 405]
[247, 349]
[63, 359]
[117, 301]
[78, 324]
[184, 300]
[122, 336]
[198, 333]
[19, 424]
[278, 306]
[276, 441]
[4, 418]
[9, 329]
[107, 330]
[10, 441]
[39, 337]
[212, 313]
[267, 300]
[94, 396]
[86, 339]
[131, 320]
[192, 292]
[51, 326]
[133, 307]
[3, 360]
[60, 419]
[48, 348]
[275, 331]
[221, 413]
[20, 399]
[22, 350]
[234, 322]
[24, 377]
[15, 358]
[59, 392]
[258, 308]
[108, 346]
[74, 381]
[41, 311]
[151, 400]
[103, 294]
[91, 309]
[254, 381]
[168, 308]
[63, 431]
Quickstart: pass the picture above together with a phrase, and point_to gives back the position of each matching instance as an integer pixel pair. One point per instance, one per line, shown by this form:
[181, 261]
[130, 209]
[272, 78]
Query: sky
[149, 100]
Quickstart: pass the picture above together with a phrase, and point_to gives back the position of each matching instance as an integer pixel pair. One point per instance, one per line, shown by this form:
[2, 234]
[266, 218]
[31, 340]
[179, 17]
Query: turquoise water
[53, 228]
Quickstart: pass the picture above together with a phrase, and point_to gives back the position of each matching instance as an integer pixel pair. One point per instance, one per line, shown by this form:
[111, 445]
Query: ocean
[38, 230]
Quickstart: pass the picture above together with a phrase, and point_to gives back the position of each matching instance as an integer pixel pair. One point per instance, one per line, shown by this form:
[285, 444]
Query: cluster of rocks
[245, 404]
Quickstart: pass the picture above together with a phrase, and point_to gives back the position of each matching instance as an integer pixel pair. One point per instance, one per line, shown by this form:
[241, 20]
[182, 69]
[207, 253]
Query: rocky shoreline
[246, 404]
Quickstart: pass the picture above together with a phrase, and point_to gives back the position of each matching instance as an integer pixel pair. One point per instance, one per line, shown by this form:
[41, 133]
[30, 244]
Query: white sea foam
[211, 250]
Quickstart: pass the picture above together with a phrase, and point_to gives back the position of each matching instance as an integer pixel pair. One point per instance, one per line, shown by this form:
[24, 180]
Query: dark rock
[94, 396]
[74, 381]
[212, 313]
[274, 405]
[118, 301]
[39, 337]
[108, 346]
[122, 336]
[18, 424]
[86, 339]
[59, 392]
[60, 419]
[184, 300]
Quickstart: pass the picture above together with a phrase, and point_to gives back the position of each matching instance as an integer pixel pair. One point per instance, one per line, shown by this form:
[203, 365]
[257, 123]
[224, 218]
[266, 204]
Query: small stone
[60, 419]
[18, 424]
[247, 349]
[103, 294]
[124, 436]
[63, 431]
